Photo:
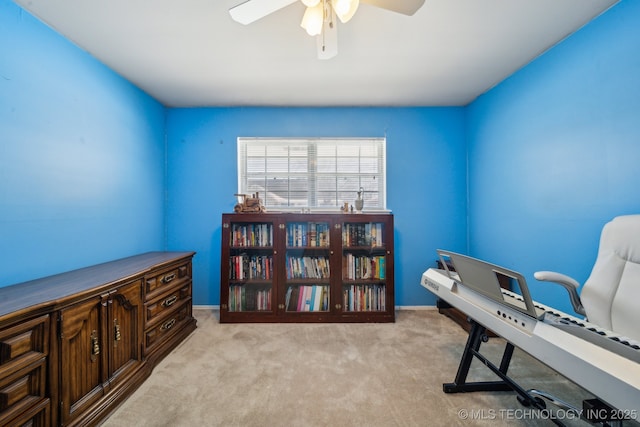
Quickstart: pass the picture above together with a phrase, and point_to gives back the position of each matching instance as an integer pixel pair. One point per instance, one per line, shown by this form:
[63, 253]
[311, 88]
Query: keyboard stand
[477, 335]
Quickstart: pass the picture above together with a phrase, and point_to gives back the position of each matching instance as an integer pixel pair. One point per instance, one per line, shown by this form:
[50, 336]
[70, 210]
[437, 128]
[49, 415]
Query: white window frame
[366, 169]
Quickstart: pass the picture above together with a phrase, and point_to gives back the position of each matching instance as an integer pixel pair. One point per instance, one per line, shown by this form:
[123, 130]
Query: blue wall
[81, 156]
[425, 179]
[554, 153]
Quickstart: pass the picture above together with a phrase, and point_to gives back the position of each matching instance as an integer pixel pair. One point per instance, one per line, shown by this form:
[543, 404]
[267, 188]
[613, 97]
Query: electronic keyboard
[602, 362]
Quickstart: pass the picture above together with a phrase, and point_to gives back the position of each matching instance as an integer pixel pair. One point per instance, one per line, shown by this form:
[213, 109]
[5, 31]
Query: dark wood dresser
[75, 345]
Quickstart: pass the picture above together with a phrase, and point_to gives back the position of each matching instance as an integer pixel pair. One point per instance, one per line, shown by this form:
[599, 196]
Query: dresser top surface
[53, 289]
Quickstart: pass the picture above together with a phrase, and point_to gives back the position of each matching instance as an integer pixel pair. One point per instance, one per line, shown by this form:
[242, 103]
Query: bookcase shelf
[287, 267]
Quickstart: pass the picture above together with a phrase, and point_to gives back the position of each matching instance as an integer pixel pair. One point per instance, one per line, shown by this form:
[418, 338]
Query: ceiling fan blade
[328, 39]
[406, 7]
[252, 10]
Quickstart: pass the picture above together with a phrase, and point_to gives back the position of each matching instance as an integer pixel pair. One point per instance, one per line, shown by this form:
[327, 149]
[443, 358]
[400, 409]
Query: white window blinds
[313, 172]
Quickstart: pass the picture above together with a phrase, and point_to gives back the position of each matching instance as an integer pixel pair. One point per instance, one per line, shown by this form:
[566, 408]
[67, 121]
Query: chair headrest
[622, 236]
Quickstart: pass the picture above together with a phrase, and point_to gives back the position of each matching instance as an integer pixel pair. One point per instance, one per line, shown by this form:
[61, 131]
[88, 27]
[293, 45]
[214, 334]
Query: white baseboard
[206, 307]
[416, 307]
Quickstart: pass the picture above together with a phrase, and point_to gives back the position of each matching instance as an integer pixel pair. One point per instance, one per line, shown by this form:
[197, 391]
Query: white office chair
[611, 295]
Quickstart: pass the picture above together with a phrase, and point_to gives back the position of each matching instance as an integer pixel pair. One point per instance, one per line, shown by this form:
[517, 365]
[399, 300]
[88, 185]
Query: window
[320, 173]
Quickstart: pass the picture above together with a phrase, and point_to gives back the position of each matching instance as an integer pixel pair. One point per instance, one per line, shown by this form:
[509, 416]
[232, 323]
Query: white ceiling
[190, 53]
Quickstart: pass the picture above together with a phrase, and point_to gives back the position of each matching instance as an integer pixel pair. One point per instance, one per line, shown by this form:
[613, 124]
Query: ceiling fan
[320, 16]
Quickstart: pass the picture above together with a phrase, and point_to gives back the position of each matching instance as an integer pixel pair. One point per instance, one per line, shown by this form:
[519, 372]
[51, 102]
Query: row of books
[362, 234]
[244, 266]
[309, 234]
[307, 298]
[251, 235]
[308, 267]
[356, 267]
[364, 298]
[244, 298]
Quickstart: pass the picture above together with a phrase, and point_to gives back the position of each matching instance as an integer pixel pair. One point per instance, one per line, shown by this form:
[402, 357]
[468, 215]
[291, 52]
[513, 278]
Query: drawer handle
[95, 345]
[116, 333]
[168, 325]
[169, 278]
[169, 301]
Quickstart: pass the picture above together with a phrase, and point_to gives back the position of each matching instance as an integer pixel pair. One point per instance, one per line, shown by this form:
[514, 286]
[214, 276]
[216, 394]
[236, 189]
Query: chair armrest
[570, 284]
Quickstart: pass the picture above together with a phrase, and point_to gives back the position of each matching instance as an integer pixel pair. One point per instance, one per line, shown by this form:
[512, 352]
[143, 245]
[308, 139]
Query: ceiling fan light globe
[345, 9]
[313, 19]
[310, 3]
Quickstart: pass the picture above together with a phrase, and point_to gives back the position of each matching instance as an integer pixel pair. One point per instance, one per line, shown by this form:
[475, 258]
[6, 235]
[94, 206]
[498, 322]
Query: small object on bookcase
[248, 204]
[359, 203]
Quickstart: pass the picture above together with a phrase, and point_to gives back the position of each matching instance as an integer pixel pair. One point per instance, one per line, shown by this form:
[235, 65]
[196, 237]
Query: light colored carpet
[384, 374]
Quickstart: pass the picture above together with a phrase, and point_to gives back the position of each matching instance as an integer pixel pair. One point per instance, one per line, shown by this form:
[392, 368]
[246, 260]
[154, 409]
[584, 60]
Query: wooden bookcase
[320, 267]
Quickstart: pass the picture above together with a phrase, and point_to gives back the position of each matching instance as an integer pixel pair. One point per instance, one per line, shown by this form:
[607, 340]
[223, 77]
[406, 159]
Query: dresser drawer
[175, 297]
[160, 280]
[37, 416]
[23, 343]
[22, 391]
[167, 325]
